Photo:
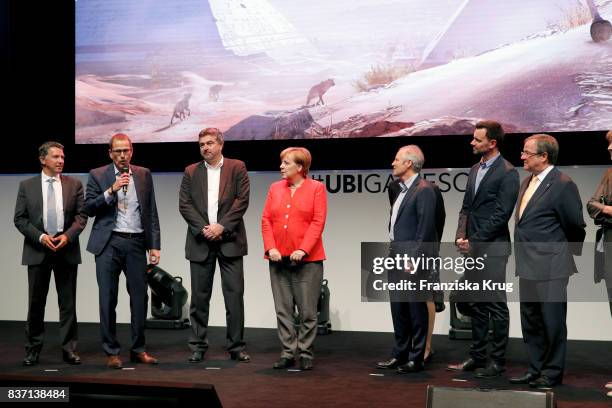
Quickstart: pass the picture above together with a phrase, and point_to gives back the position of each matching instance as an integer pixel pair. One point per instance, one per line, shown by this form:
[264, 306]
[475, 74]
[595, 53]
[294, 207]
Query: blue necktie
[51, 209]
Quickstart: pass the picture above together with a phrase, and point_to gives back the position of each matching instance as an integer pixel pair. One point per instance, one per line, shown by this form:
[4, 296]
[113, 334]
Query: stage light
[167, 299]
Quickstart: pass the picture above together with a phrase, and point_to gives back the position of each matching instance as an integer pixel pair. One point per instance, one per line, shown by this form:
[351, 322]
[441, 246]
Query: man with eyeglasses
[122, 199]
[549, 230]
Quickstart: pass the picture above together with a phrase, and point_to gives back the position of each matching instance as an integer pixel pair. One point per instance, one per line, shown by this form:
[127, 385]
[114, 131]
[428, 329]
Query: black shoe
[388, 364]
[428, 358]
[240, 356]
[71, 357]
[410, 367]
[31, 358]
[283, 363]
[543, 383]
[196, 357]
[524, 379]
[305, 363]
[491, 371]
[468, 365]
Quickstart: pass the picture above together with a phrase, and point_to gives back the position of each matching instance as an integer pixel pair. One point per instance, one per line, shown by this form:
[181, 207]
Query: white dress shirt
[544, 173]
[398, 202]
[214, 178]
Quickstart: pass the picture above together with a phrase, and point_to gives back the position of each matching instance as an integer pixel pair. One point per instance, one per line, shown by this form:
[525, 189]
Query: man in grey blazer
[122, 198]
[213, 198]
[482, 231]
[49, 214]
[549, 230]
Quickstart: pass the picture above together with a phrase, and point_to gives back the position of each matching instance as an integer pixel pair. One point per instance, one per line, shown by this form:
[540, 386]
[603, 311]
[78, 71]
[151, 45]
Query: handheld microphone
[125, 170]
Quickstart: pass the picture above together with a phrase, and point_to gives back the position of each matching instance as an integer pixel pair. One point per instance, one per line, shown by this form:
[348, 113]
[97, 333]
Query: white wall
[352, 218]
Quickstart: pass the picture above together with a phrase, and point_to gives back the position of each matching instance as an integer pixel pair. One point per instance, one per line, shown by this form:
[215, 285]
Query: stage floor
[344, 373]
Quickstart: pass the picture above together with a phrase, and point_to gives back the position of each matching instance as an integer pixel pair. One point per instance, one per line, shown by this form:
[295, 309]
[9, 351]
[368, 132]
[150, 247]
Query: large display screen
[287, 69]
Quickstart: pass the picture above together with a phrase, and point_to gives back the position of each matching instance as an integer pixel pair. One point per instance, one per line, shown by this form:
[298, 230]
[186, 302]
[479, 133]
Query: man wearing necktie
[49, 214]
[122, 198]
[549, 230]
[482, 231]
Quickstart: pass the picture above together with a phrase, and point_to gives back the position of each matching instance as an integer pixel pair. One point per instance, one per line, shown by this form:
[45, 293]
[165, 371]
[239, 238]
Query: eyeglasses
[529, 154]
[121, 151]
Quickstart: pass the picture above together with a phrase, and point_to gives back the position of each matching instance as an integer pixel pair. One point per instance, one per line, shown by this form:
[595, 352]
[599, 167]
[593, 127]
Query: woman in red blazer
[292, 223]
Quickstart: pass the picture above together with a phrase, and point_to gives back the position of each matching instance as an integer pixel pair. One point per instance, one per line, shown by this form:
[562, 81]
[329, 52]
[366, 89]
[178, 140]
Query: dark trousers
[482, 314]
[232, 285]
[296, 285]
[544, 327]
[39, 277]
[490, 307]
[127, 255]
[410, 321]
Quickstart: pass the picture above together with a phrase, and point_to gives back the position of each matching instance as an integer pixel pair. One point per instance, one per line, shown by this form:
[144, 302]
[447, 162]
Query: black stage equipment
[167, 299]
[460, 311]
[449, 397]
[323, 323]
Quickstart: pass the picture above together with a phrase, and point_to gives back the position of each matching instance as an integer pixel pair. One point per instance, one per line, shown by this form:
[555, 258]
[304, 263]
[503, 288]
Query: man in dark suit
[436, 303]
[122, 198]
[549, 230]
[213, 198]
[489, 199]
[412, 230]
[394, 189]
[49, 214]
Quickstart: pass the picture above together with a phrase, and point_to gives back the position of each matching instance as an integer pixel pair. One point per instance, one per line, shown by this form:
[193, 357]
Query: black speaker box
[449, 397]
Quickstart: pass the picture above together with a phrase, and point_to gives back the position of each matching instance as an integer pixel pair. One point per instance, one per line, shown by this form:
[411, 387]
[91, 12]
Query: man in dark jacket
[49, 214]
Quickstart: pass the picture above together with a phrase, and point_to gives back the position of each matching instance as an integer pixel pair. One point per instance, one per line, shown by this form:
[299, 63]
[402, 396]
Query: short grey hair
[415, 155]
[546, 144]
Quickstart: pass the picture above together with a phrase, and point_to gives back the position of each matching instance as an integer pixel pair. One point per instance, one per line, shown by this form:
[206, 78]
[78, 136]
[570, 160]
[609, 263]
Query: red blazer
[291, 223]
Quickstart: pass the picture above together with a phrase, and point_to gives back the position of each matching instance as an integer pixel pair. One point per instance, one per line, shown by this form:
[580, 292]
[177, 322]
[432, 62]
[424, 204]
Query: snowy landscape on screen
[274, 69]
